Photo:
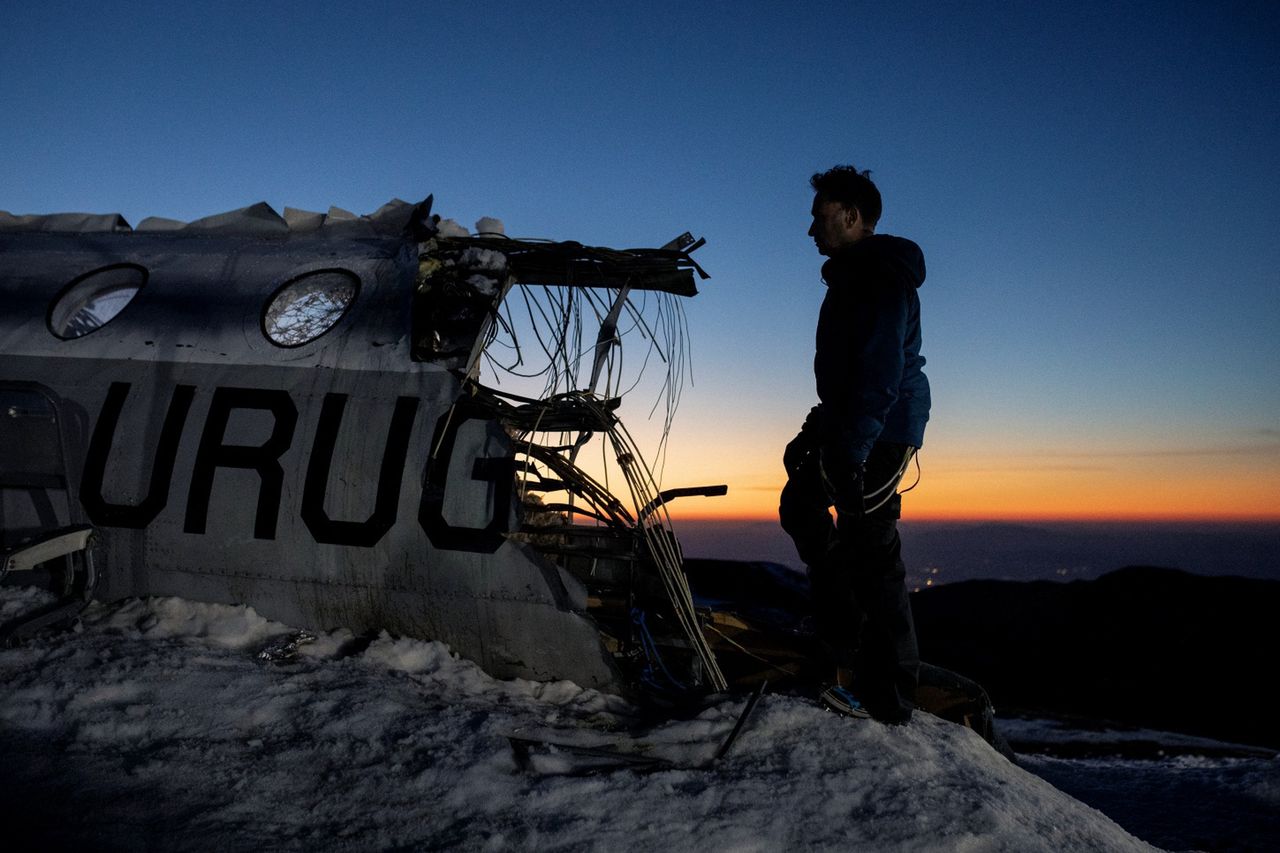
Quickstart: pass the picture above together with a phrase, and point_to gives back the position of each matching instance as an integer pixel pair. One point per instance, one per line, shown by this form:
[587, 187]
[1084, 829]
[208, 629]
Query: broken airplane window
[308, 306]
[94, 299]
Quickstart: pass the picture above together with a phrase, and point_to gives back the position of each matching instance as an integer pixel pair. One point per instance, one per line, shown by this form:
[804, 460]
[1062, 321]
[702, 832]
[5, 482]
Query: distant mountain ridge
[1143, 645]
[941, 552]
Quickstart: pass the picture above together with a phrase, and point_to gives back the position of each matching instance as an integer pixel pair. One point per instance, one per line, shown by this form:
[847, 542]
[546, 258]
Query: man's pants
[859, 582]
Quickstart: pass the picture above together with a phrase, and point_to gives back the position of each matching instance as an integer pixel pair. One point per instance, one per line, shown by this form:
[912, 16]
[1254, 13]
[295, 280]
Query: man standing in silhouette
[855, 447]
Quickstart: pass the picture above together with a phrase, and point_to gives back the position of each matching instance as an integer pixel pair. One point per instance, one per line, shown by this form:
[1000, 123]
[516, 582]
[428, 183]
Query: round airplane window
[306, 307]
[93, 300]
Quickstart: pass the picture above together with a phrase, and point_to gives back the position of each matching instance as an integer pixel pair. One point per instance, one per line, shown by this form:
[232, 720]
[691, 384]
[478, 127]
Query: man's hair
[848, 186]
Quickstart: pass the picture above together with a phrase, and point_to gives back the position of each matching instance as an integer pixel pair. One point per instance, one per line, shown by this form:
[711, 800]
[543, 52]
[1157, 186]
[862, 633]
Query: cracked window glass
[94, 299]
[308, 306]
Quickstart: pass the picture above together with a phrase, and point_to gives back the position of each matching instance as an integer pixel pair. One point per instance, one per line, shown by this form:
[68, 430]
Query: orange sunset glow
[954, 489]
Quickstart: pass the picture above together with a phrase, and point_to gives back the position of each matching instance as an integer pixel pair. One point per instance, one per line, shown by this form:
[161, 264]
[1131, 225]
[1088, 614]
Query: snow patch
[405, 655]
[18, 600]
[483, 259]
[451, 228]
[160, 618]
[176, 737]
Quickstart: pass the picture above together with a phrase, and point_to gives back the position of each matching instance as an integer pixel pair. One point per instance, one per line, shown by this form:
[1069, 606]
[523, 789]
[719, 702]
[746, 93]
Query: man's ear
[851, 216]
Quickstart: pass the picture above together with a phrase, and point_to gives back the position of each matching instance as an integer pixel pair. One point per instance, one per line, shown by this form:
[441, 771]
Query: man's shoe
[841, 701]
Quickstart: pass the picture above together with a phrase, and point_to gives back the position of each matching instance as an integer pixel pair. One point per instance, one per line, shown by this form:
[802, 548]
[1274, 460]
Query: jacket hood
[898, 257]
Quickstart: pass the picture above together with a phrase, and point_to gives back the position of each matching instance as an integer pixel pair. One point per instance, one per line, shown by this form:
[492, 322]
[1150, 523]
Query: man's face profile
[835, 226]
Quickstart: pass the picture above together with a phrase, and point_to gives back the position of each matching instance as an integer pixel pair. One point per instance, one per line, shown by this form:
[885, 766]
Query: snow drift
[153, 725]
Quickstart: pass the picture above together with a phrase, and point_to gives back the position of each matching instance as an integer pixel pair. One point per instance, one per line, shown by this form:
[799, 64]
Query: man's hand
[797, 453]
[803, 445]
[842, 475]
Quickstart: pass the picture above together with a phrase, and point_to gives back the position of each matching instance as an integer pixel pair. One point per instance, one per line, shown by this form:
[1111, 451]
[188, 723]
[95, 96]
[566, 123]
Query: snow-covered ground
[154, 726]
[1177, 791]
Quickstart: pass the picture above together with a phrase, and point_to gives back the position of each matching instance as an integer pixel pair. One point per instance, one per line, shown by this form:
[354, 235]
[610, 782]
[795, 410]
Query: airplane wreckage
[289, 413]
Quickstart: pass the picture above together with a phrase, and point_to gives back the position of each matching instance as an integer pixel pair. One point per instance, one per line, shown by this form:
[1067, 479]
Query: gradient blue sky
[1096, 187]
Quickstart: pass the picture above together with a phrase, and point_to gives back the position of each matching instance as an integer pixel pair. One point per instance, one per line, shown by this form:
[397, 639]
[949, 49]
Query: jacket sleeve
[874, 357]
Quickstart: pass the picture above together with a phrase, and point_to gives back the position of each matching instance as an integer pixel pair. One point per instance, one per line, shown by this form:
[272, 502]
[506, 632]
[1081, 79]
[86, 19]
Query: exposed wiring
[722, 635]
[583, 333]
[653, 657]
[890, 485]
[556, 317]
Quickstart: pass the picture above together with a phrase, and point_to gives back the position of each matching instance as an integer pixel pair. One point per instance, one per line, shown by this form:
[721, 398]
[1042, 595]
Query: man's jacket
[868, 365]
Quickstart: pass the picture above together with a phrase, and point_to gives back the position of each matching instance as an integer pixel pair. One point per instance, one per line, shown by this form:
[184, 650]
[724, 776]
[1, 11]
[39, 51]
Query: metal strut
[68, 543]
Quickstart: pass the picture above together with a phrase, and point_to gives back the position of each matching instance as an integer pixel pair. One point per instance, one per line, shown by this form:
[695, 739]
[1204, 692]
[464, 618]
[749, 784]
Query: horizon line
[1005, 519]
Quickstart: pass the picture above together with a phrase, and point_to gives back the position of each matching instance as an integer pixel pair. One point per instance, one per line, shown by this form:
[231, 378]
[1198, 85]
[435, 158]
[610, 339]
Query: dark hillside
[1145, 646]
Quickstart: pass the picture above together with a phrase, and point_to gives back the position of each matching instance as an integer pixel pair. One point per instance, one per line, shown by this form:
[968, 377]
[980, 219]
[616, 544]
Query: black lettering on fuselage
[136, 517]
[264, 458]
[359, 533]
[500, 471]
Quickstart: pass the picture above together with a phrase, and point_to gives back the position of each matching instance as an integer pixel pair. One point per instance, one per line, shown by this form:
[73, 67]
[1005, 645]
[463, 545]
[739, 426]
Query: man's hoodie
[868, 365]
